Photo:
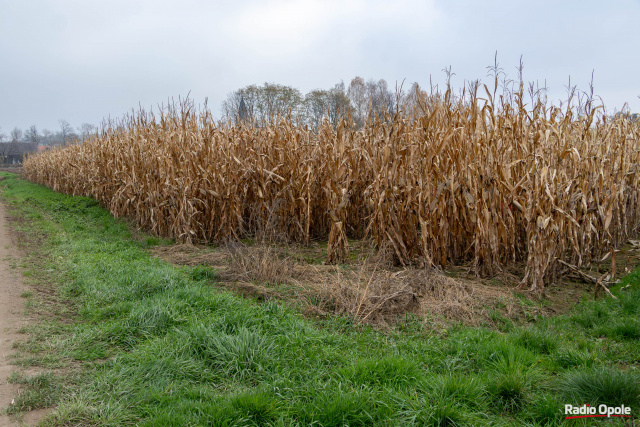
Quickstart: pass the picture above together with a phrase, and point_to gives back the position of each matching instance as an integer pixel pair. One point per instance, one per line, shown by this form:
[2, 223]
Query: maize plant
[460, 179]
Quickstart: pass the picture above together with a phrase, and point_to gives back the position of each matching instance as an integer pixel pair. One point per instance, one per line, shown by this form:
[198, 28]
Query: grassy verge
[128, 339]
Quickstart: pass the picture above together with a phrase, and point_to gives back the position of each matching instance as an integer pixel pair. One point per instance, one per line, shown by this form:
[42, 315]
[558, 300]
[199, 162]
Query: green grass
[40, 391]
[602, 385]
[143, 342]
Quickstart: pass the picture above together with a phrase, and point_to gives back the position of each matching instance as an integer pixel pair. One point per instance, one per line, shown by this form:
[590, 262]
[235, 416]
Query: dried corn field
[460, 179]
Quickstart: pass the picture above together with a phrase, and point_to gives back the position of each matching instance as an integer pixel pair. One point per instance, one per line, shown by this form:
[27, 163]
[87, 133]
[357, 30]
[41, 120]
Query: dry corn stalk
[459, 179]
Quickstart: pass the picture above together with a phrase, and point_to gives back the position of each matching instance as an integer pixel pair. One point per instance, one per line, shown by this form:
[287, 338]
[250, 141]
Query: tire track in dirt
[12, 318]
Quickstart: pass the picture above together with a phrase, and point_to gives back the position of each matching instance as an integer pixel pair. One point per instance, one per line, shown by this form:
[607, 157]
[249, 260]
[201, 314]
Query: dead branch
[598, 282]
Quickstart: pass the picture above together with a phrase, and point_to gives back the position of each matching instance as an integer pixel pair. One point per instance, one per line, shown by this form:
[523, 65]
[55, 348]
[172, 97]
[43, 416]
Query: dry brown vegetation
[460, 179]
[370, 290]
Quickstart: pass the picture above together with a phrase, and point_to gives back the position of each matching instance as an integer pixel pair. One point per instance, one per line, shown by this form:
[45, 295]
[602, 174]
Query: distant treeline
[64, 134]
[360, 100]
[364, 100]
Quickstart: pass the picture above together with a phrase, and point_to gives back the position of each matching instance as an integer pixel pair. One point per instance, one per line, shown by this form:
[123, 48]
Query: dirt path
[11, 318]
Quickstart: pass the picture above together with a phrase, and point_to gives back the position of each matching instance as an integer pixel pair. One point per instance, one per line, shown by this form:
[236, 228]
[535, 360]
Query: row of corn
[458, 180]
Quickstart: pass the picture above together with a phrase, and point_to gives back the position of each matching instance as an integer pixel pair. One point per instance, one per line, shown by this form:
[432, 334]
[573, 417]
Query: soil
[12, 318]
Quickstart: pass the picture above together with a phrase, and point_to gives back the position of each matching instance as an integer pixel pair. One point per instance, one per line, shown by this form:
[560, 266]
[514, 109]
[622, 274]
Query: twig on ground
[598, 282]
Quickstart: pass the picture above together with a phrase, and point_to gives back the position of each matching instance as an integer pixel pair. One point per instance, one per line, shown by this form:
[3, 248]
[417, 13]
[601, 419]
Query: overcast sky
[85, 60]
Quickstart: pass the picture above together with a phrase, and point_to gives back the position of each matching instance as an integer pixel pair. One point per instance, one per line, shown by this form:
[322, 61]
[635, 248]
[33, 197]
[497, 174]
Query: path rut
[12, 318]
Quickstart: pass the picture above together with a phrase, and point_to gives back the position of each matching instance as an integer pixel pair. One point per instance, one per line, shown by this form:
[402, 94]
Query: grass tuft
[382, 371]
[258, 407]
[603, 385]
[572, 357]
[546, 410]
[460, 389]
[41, 391]
[536, 340]
[443, 414]
[240, 355]
[201, 272]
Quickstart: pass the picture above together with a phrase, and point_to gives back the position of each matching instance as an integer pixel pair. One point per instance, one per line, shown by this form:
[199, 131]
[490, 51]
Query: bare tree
[246, 97]
[357, 94]
[5, 147]
[315, 107]
[251, 96]
[66, 131]
[2, 135]
[32, 135]
[414, 100]
[381, 99]
[231, 106]
[46, 136]
[16, 134]
[339, 104]
[86, 130]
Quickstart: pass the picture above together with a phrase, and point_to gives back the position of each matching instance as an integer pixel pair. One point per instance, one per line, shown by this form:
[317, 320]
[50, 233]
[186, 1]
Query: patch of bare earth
[12, 318]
